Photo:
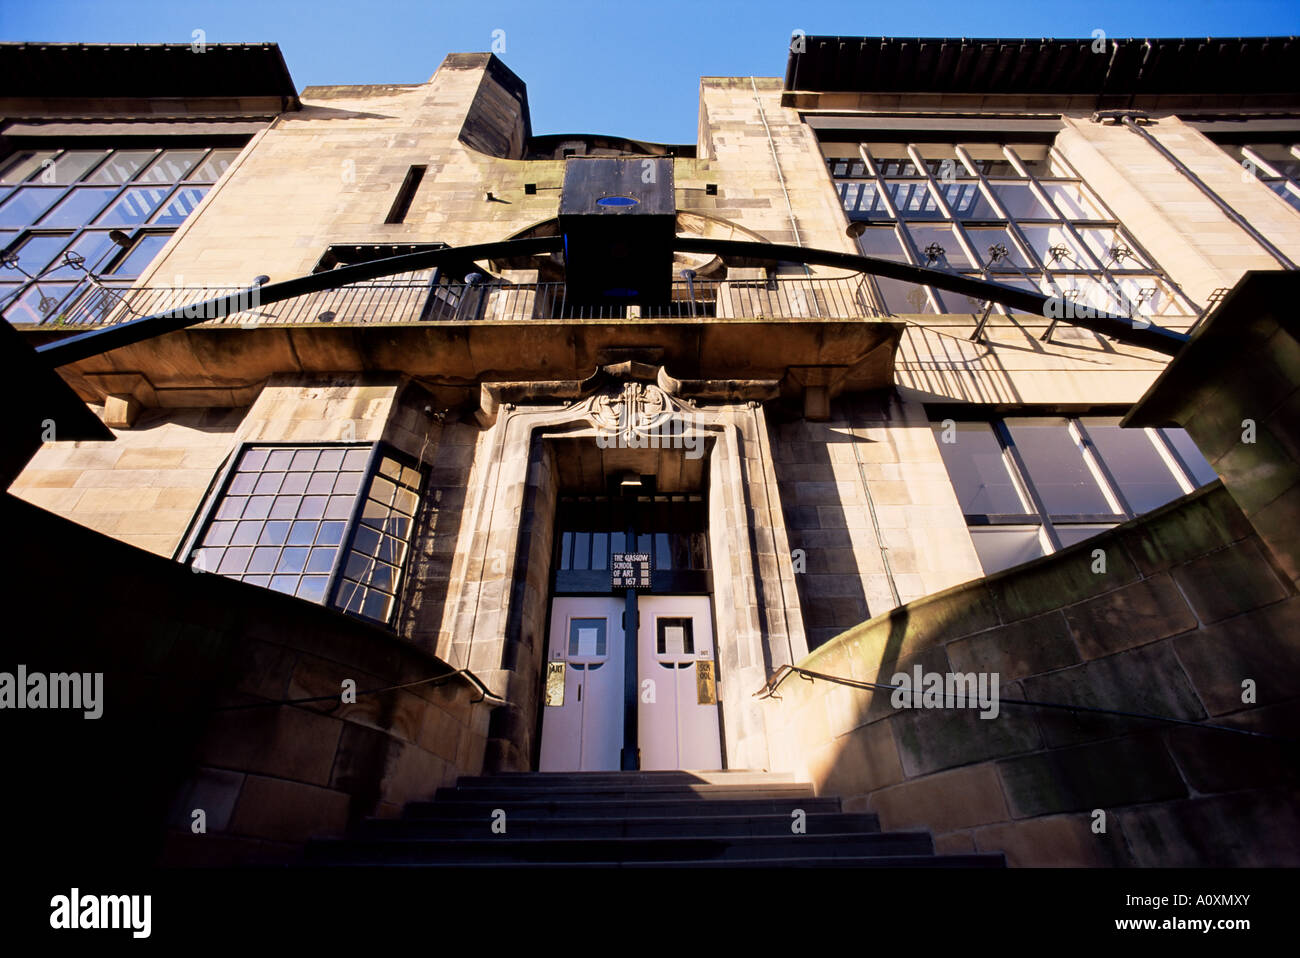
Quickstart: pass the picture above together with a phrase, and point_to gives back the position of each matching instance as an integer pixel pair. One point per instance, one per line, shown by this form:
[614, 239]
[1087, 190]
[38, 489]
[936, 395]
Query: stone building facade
[826, 467]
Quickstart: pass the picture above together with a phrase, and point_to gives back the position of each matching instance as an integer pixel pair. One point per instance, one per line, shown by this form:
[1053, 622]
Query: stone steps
[633, 819]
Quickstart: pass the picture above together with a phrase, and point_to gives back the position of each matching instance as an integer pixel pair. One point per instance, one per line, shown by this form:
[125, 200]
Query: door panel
[677, 730]
[585, 732]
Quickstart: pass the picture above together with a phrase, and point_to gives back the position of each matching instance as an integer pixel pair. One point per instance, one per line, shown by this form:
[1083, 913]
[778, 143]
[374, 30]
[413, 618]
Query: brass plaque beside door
[555, 683]
[705, 693]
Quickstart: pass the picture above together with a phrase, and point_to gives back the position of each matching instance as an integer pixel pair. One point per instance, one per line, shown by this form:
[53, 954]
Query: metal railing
[416, 297]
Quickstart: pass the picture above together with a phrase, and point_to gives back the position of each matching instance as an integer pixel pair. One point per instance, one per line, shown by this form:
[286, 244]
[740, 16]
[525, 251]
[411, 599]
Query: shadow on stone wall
[1189, 607]
[177, 650]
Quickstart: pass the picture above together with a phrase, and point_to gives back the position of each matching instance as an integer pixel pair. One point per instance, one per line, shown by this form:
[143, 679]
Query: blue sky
[624, 67]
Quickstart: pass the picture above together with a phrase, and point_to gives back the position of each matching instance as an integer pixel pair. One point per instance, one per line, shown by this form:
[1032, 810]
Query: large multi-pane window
[330, 524]
[1276, 165]
[66, 213]
[1015, 214]
[1032, 485]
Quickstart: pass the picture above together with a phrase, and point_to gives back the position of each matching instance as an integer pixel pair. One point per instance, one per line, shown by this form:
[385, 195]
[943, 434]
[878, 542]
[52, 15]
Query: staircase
[636, 819]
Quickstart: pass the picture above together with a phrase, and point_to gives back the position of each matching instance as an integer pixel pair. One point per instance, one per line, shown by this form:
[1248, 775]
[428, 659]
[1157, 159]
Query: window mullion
[1021, 471]
[1097, 466]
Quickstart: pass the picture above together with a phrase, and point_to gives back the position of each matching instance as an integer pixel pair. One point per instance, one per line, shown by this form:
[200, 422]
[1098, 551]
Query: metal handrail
[412, 298]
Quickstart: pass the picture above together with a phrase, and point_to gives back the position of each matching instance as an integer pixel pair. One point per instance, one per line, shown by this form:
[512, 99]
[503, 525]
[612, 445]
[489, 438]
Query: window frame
[219, 490]
[1047, 521]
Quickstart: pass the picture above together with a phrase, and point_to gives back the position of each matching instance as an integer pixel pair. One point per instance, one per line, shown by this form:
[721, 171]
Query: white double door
[677, 713]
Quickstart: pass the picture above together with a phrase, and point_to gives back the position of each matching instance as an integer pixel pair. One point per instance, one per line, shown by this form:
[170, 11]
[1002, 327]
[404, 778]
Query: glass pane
[1069, 535]
[25, 164]
[901, 297]
[862, 201]
[94, 247]
[968, 202]
[39, 303]
[1200, 468]
[984, 238]
[1072, 201]
[1112, 248]
[1136, 464]
[73, 164]
[1055, 248]
[883, 243]
[134, 207]
[1020, 202]
[171, 166]
[1057, 468]
[943, 237]
[181, 205]
[121, 166]
[913, 199]
[214, 166]
[41, 250]
[141, 255]
[1001, 547]
[26, 205]
[978, 469]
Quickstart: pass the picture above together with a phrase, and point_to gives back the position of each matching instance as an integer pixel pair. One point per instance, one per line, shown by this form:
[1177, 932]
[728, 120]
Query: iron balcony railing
[415, 297]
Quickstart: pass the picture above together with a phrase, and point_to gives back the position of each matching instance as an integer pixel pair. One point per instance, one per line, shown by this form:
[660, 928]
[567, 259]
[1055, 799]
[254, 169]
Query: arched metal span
[92, 343]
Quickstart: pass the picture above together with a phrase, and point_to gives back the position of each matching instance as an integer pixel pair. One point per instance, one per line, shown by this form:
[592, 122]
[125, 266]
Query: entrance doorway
[647, 699]
[677, 711]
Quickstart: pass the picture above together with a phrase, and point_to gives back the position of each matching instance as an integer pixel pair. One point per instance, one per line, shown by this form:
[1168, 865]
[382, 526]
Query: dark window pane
[1134, 461]
[883, 243]
[663, 553]
[141, 255]
[39, 251]
[80, 207]
[1200, 468]
[1057, 468]
[93, 247]
[581, 549]
[978, 469]
[1069, 535]
[26, 205]
[599, 550]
